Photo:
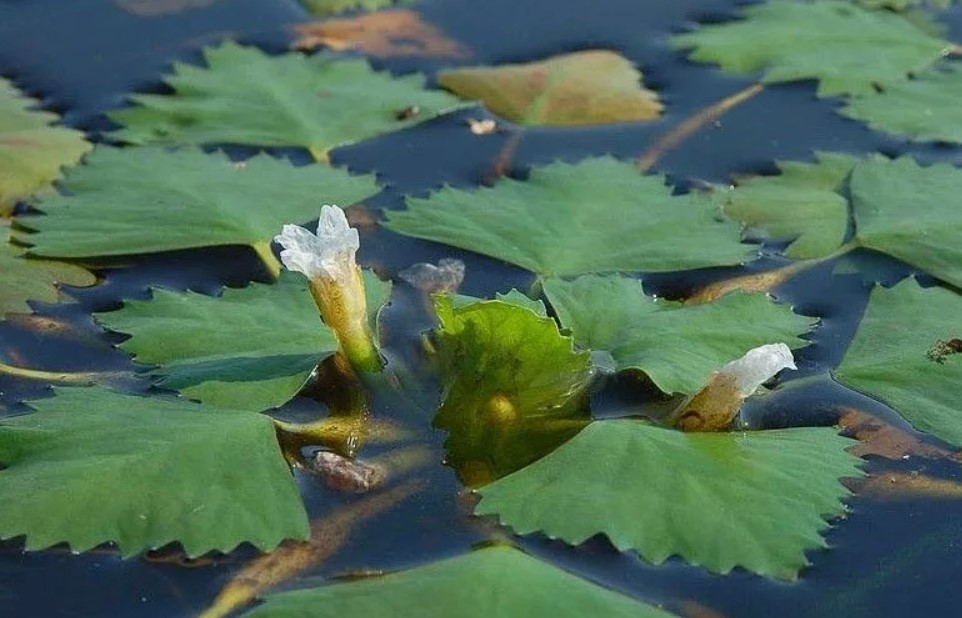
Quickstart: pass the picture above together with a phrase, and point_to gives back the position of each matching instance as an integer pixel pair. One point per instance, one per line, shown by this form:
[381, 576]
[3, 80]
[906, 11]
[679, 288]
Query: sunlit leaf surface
[923, 108]
[250, 348]
[903, 355]
[677, 346]
[758, 500]
[513, 387]
[91, 466]
[849, 50]
[496, 581]
[31, 150]
[802, 205]
[244, 96]
[143, 200]
[595, 216]
[587, 87]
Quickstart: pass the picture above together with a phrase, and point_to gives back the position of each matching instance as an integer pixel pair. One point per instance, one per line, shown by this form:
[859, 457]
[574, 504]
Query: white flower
[758, 366]
[327, 255]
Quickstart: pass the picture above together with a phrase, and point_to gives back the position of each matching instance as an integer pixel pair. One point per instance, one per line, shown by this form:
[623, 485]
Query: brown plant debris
[876, 437]
[384, 34]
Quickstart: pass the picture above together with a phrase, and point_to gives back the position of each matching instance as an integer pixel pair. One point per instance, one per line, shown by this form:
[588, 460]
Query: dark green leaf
[902, 355]
[596, 216]
[677, 346]
[757, 500]
[91, 466]
[247, 97]
[488, 583]
[849, 50]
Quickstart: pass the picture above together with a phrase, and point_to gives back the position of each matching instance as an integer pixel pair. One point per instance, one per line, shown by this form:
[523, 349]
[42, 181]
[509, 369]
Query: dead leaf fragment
[153, 8]
[385, 34]
[589, 87]
[482, 127]
[876, 437]
[756, 282]
[907, 486]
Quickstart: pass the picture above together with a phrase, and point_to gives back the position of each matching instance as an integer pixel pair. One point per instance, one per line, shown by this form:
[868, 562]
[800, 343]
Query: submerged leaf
[23, 278]
[896, 356]
[677, 346]
[595, 216]
[849, 50]
[495, 581]
[910, 212]
[142, 200]
[514, 388]
[91, 466]
[923, 108]
[801, 205]
[385, 34]
[31, 150]
[251, 348]
[247, 97]
[588, 87]
[757, 500]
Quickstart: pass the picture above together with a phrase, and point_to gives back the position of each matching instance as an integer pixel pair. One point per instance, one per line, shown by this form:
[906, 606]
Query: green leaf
[896, 356]
[251, 348]
[849, 50]
[923, 108]
[801, 205]
[247, 97]
[512, 297]
[31, 150]
[330, 7]
[595, 216]
[514, 388]
[141, 200]
[910, 212]
[587, 87]
[91, 466]
[495, 581]
[757, 500]
[23, 278]
[677, 346]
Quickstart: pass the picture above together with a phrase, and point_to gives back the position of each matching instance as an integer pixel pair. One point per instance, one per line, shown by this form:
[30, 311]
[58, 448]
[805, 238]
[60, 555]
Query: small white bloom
[758, 366]
[329, 254]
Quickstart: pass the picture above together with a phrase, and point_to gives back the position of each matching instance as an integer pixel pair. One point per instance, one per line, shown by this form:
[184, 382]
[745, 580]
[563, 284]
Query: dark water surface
[82, 57]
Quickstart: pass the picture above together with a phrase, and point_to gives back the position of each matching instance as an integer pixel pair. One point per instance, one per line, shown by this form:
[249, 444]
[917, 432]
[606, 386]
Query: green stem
[263, 250]
[82, 378]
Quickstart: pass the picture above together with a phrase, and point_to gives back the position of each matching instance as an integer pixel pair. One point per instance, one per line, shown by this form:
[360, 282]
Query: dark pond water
[81, 57]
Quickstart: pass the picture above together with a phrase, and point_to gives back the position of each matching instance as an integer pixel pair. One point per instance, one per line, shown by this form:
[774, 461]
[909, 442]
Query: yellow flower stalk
[327, 259]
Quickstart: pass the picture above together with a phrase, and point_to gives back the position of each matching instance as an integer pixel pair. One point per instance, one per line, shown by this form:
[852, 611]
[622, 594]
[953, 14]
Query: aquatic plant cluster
[510, 380]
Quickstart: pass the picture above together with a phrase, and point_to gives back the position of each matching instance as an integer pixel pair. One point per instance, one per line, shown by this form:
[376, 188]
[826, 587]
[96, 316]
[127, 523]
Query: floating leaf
[757, 500]
[513, 297]
[910, 212]
[588, 87]
[496, 581]
[31, 150]
[792, 41]
[513, 387]
[923, 108]
[383, 35]
[91, 466]
[247, 97]
[677, 346]
[801, 205]
[901, 355]
[598, 215]
[329, 7]
[251, 348]
[23, 278]
[141, 200]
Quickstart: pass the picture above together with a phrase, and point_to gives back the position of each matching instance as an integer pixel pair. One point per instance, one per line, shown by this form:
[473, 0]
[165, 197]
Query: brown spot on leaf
[943, 349]
[384, 34]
